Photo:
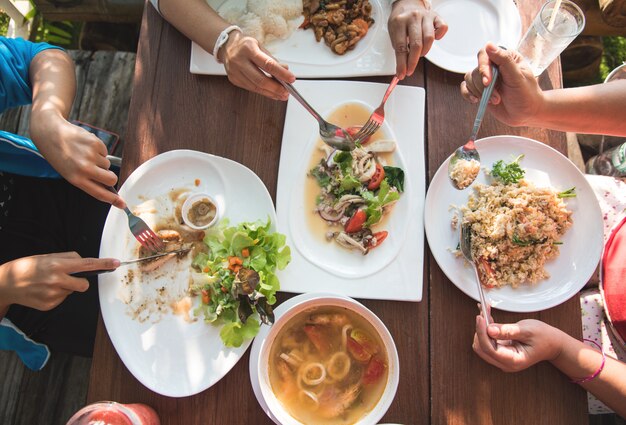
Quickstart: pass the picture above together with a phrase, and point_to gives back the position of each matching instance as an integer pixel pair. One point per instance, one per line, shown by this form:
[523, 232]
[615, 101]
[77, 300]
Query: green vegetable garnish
[508, 173]
[256, 248]
[395, 177]
[569, 193]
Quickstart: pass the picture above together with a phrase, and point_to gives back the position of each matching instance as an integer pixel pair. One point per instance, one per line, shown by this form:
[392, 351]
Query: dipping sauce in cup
[199, 211]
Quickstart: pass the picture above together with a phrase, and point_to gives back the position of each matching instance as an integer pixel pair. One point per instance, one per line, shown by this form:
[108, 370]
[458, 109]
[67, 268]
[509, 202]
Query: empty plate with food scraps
[330, 38]
[181, 322]
[353, 218]
[535, 222]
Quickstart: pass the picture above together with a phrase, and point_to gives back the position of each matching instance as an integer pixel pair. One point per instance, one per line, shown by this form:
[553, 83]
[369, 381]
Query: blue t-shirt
[15, 57]
[18, 154]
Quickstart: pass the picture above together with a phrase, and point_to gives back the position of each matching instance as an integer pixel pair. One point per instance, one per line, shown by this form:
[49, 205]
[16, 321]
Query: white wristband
[222, 39]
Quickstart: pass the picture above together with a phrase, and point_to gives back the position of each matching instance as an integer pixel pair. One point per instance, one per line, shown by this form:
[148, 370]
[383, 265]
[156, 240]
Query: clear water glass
[545, 40]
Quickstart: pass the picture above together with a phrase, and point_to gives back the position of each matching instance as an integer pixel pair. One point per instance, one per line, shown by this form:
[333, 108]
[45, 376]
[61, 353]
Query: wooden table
[442, 380]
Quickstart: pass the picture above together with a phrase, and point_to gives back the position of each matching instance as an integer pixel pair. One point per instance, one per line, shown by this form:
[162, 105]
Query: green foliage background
[613, 56]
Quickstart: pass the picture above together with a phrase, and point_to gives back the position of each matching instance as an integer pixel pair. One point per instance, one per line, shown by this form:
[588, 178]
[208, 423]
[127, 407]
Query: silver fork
[378, 116]
[140, 230]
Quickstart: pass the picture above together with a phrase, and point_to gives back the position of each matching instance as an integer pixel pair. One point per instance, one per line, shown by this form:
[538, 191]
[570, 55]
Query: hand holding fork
[378, 116]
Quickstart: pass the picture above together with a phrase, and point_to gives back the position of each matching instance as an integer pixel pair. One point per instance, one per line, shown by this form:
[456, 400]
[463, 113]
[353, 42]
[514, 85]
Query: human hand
[245, 60]
[413, 27]
[519, 345]
[76, 154]
[517, 97]
[43, 281]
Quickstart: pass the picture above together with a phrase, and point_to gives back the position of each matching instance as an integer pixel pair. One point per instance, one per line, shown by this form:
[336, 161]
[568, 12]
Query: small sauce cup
[200, 211]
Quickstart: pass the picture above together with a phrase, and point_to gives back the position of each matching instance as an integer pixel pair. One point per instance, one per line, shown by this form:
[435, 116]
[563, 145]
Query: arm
[242, 56]
[80, 157]
[43, 281]
[531, 341]
[519, 101]
[413, 27]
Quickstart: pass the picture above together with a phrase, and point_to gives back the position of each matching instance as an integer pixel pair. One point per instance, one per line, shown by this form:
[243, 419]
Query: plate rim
[508, 7]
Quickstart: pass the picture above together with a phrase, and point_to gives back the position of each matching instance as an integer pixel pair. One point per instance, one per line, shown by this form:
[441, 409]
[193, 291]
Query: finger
[488, 357]
[506, 60]
[415, 46]
[102, 162]
[260, 83]
[483, 71]
[507, 331]
[97, 144]
[486, 343]
[74, 284]
[90, 264]
[269, 64]
[102, 194]
[467, 94]
[104, 176]
[428, 36]
[441, 27]
[475, 91]
[398, 35]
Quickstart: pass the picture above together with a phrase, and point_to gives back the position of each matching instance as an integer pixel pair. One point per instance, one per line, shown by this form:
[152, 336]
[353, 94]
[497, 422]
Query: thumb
[504, 59]
[508, 331]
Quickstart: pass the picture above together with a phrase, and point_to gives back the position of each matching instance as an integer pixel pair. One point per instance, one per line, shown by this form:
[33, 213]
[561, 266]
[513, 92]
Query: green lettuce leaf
[233, 334]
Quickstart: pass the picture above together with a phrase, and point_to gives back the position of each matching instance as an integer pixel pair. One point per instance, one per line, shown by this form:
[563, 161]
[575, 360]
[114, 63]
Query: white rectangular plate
[307, 58]
[393, 271]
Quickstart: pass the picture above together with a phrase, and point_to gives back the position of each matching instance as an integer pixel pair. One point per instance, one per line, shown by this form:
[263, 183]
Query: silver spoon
[468, 152]
[465, 240]
[333, 136]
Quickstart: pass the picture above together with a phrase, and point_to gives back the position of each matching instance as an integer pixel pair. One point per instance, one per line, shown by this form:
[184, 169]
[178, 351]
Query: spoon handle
[292, 90]
[484, 100]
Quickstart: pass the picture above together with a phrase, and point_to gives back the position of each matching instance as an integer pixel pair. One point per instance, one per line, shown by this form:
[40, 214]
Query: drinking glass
[556, 25]
[112, 413]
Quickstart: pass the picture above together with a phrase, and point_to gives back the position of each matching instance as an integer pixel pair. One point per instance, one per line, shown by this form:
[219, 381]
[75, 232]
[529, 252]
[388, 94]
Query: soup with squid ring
[328, 366]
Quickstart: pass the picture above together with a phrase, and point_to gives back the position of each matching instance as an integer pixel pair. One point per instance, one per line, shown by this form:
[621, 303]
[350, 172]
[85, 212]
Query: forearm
[597, 109]
[54, 87]
[5, 302]
[577, 360]
[196, 19]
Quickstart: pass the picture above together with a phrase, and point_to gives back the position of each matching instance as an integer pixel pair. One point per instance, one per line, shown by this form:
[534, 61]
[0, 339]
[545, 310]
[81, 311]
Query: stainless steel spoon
[465, 240]
[468, 151]
[333, 136]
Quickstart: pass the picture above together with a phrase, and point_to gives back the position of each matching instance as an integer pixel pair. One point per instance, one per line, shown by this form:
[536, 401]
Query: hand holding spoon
[464, 164]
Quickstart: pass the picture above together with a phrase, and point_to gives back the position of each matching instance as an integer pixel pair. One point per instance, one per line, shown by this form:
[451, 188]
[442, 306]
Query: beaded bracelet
[222, 39]
[597, 372]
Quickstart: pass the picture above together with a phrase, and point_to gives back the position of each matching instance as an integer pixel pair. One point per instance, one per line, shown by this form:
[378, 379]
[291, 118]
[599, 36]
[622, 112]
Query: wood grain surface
[441, 380]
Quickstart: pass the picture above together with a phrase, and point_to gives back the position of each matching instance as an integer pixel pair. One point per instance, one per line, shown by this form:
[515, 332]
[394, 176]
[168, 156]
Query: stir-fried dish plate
[359, 50]
[544, 237]
[470, 26]
[350, 227]
[160, 333]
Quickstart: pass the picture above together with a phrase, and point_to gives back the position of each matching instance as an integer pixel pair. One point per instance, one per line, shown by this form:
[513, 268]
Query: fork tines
[367, 130]
[150, 240]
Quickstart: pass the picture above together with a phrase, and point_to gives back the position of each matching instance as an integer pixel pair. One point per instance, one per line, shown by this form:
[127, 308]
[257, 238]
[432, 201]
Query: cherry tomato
[377, 178]
[374, 370]
[357, 351]
[380, 237]
[356, 222]
[352, 131]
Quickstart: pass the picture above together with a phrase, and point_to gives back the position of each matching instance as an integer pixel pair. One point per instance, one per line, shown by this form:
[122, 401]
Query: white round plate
[471, 24]
[582, 244]
[171, 356]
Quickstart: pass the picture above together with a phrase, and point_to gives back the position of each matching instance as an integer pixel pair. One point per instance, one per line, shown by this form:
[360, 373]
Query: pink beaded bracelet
[597, 372]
